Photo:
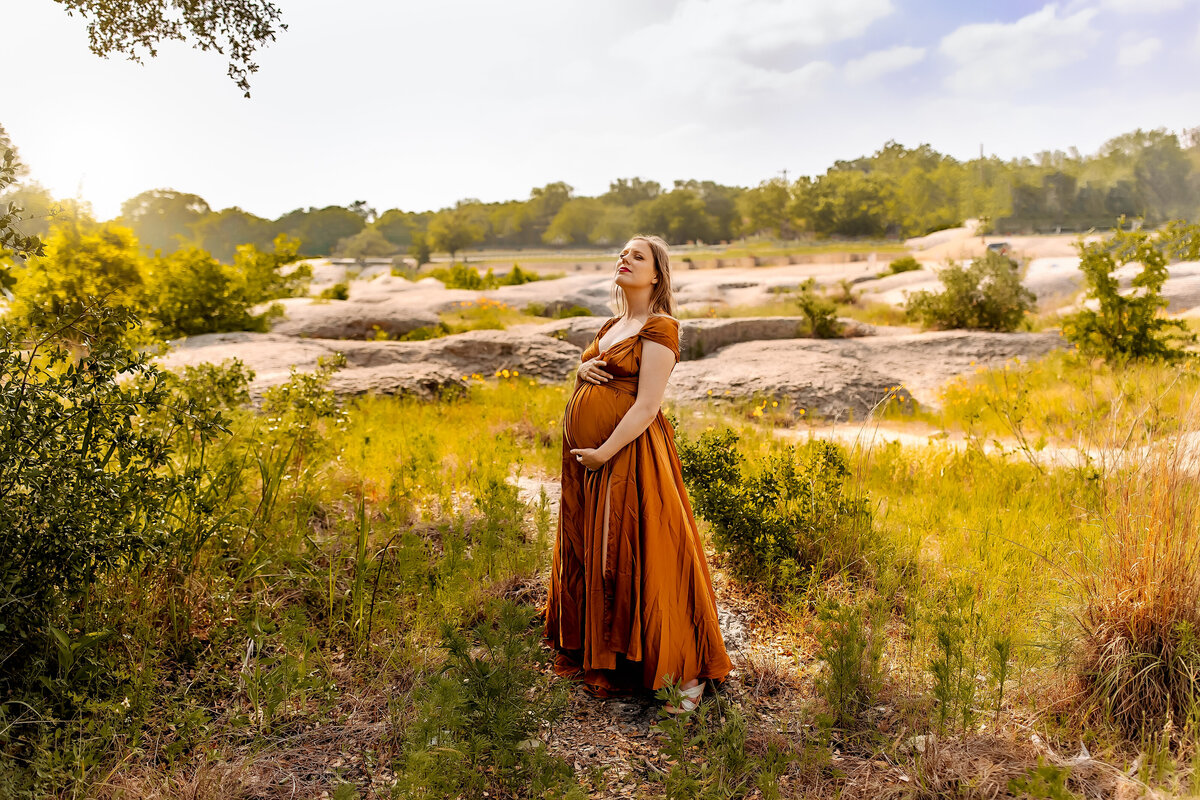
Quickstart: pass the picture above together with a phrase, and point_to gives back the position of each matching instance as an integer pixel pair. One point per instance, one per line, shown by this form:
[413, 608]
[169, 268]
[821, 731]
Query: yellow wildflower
[710, 392]
[757, 412]
[504, 372]
[515, 373]
[774, 404]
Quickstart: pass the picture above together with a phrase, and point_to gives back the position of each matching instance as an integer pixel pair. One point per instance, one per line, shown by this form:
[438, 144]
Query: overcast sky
[415, 105]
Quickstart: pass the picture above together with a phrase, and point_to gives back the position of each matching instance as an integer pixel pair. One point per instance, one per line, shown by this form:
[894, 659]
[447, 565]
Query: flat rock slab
[424, 368]
[835, 378]
[844, 378]
[698, 337]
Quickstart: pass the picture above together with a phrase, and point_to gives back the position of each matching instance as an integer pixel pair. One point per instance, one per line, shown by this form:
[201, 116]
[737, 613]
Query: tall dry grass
[1138, 616]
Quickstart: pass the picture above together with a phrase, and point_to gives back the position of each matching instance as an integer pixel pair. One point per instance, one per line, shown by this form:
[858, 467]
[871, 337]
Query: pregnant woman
[631, 600]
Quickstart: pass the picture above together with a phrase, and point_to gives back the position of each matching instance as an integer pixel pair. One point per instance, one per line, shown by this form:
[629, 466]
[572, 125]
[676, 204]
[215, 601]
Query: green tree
[221, 233]
[163, 219]
[575, 221]
[720, 203]
[419, 248]
[851, 203]
[615, 226]
[235, 28]
[263, 273]
[677, 216]
[367, 242]
[398, 226]
[320, 229]
[455, 229]
[544, 204]
[631, 191]
[764, 209]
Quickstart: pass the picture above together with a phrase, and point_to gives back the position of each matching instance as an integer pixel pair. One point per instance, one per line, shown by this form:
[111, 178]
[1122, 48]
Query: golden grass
[1138, 656]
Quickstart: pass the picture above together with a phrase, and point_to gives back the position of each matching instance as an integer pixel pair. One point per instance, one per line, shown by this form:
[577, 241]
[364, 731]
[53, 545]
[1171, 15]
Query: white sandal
[691, 699]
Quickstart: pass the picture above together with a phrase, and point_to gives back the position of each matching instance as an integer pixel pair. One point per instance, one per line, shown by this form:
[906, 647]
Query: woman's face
[635, 265]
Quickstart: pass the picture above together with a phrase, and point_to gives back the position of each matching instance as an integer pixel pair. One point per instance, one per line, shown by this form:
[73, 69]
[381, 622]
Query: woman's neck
[637, 304]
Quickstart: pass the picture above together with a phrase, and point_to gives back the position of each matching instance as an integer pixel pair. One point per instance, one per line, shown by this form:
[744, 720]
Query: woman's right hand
[591, 371]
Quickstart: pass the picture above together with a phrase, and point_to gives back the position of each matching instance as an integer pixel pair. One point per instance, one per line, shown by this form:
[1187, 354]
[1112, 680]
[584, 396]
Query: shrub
[820, 311]
[189, 293]
[987, 295]
[902, 264]
[1130, 326]
[462, 276]
[791, 518]
[82, 484]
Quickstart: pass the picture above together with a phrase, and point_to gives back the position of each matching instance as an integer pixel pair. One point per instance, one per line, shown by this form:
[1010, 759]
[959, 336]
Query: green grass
[1064, 395]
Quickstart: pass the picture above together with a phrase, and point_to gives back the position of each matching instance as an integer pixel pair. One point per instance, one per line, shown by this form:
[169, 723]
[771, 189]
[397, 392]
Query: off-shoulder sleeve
[665, 331]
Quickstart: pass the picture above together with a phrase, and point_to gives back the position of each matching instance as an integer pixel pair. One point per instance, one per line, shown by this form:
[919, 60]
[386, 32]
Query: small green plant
[708, 753]
[956, 631]
[987, 295]
[1130, 326]
[1043, 782]
[481, 718]
[852, 637]
[339, 291]
[818, 310]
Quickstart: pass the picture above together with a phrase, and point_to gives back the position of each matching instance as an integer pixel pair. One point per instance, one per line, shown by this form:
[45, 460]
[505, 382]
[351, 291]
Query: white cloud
[881, 62]
[728, 52]
[1143, 6]
[749, 26]
[998, 55]
[1137, 53]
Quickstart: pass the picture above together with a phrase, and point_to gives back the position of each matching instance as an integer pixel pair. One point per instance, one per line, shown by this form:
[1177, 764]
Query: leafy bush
[820, 311]
[1130, 326]
[82, 484]
[189, 293]
[186, 293]
[788, 519]
[987, 295]
[480, 719]
[902, 264]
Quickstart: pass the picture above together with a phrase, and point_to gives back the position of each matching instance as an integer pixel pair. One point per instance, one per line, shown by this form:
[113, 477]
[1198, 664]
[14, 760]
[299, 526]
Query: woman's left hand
[589, 457]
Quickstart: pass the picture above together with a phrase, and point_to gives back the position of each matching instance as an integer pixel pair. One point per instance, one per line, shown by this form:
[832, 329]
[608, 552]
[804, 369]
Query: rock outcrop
[840, 378]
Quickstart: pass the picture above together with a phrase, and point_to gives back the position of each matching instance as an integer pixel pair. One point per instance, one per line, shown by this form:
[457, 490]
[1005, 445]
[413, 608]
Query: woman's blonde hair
[662, 299]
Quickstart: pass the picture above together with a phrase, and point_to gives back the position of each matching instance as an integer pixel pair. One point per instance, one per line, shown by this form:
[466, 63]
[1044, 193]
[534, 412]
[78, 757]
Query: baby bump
[593, 412]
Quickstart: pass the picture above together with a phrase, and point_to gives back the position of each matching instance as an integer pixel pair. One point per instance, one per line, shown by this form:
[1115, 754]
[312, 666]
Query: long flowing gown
[631, 598]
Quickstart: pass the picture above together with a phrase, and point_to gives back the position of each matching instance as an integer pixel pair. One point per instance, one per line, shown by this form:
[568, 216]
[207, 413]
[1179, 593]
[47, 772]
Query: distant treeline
[897, 191]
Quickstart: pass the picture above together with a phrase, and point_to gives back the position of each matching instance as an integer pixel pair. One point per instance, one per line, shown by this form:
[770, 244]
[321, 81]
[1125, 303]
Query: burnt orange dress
[631, 598]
